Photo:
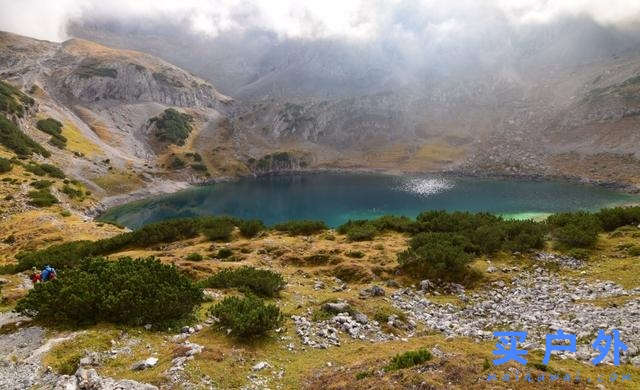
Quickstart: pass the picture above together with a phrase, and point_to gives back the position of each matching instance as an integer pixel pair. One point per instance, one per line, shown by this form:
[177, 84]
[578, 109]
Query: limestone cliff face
[105, 99]
[80, 71]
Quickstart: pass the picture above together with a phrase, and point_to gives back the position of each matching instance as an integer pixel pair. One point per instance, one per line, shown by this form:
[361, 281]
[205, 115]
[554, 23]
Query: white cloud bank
[354, 19]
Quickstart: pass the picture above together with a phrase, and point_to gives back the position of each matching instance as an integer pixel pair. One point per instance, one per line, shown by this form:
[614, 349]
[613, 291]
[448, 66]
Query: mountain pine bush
[126, 291]
[438, 256]
[408, 359]
[5, 165]
[12, 138]
[250, 228]
[260, 282]
[301, 227]
[248, 316]
[173, 126]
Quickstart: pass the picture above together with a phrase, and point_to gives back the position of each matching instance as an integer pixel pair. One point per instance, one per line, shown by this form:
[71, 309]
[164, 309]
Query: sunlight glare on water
[426, 186]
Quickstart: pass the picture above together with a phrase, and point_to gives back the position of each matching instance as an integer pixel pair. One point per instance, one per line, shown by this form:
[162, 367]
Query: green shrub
[362, 229]
[45, 169]
[408, 359]
[173, 126]
[41, 184]
[365, 232]
[455, 222]
[195, 156]
[437, 256]
[394, 223]
[575, 230]
[251, 228]
[364, 374]
[488, 238]
[224, 253]
[194, 257]
[14, 139]
[50, 126]
[177, 163]
[126, 291]
[218, 229]
[72, 192]
[13, 101]
[42, 198]
[53, 128]
[613, 218]
[355, 254]
[522, 236]
[301, 227]
[5, 165]
[65, 213]
[577, 236]
[58, 142]
[199, 167]
[261, 282]
[247, 317]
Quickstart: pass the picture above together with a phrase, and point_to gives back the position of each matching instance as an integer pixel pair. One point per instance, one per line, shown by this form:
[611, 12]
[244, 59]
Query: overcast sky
[352, 19]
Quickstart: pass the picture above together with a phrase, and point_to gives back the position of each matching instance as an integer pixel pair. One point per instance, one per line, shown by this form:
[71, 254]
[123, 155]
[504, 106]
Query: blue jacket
[46, 273]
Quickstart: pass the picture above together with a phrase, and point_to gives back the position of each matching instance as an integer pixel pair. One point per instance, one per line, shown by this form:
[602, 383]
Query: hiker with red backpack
[47, 274]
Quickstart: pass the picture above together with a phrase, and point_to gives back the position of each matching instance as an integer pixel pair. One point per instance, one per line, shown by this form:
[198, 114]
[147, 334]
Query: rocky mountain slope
[347, 311]
[528, 101]
[105, 99]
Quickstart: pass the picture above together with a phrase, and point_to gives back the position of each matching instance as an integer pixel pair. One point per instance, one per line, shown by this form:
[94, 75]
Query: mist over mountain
[524, 88]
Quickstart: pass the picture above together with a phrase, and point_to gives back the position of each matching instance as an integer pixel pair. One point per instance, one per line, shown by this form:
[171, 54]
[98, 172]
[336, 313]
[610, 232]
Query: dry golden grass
[76, 142]
[228, 361]
[43, 227]
[119, 182]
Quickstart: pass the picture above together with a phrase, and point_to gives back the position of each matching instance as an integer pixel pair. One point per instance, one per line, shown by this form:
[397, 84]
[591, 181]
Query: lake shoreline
[412, 183]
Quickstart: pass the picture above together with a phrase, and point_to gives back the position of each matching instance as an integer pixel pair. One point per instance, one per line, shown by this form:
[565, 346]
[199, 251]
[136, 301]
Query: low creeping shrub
[302, 227]
[408, 359]
[260, 282]
[247, 317]
[126, 291]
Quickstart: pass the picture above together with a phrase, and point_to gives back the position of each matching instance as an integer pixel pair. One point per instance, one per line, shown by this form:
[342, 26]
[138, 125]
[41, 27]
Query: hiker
[35, 276]
[48, 273]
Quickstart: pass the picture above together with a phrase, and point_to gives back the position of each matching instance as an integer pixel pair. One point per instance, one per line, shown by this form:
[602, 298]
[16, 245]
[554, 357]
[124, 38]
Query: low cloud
[355, 19]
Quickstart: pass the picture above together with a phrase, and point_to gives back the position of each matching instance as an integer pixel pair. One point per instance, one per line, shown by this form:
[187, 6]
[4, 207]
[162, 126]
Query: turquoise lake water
[336, 198]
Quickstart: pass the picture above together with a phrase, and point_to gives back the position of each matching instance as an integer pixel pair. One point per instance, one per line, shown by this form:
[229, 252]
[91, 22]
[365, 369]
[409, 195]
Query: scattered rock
[537, 302]
[260, 366]
[392, 283]
[426, 285]
[336, 307]
[561, 260]
[361, 318]
[144, 364]
[373, 291]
